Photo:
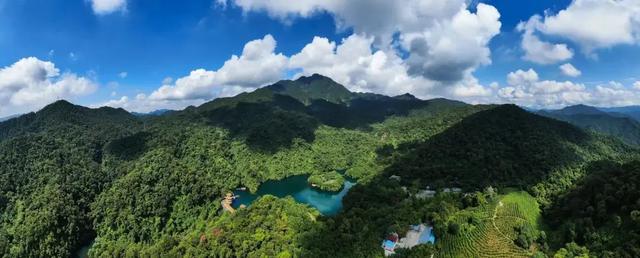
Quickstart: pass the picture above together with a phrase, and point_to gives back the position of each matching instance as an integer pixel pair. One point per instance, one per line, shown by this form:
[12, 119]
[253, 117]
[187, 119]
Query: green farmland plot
[494, 233]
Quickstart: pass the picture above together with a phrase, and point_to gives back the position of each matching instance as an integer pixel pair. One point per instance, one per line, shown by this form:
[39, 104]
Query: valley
[152, 185]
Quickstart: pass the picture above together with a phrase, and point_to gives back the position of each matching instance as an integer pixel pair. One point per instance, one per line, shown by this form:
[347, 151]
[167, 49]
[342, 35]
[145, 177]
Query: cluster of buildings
[417, 235]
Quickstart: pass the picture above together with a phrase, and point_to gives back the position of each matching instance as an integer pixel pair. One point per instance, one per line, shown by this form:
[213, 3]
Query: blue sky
[133, 53]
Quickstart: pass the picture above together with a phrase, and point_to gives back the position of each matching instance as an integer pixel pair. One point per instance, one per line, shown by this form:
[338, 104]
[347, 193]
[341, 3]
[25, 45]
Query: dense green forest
[53, 167]
[151, 186]
[602, 212]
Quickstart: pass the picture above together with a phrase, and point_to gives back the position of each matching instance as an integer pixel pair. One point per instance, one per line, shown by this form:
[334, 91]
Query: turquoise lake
[328, 203]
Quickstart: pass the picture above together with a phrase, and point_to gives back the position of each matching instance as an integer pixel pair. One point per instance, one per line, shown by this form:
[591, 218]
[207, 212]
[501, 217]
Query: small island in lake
[331, 181]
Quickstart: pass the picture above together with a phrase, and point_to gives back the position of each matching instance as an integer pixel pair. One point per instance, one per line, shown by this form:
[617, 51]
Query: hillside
[61, 114]
[602, 213]
[53, 165]
[503, 146]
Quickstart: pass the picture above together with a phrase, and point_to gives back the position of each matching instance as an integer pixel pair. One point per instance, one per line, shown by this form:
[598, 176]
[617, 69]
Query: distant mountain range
[630, 111]
[158, 112]
[620, 122]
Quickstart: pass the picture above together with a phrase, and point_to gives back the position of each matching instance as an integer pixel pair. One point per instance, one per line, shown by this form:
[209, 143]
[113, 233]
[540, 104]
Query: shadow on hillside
[362, 112]
[266, 126]
[130, 147]
[503, 146]
[273, 123]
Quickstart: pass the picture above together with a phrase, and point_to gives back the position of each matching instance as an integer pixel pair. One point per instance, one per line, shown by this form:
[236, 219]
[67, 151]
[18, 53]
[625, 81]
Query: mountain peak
[579, 110]
[60, 102]
[59, 105]
[406, 96]
[314, 77]
[314, 87]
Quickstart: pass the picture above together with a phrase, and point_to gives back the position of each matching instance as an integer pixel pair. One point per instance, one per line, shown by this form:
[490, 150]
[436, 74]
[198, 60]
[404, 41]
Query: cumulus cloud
[102, 7]
[470, 90]
[521, 77]
[282, 9]
[445, 41]
[355, 65]
[123, 75]
[539, 51]
[595, 24]
[142, 103]
[448, 51]
[569, 70]
[380, 18]
[257, 66]
[31, 83]
[525, 88]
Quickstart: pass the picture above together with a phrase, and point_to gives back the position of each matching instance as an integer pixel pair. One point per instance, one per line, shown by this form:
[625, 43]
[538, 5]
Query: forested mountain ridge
[52, 166]
[151, 186]
[505, 146]
[60, 114]
[630, 111]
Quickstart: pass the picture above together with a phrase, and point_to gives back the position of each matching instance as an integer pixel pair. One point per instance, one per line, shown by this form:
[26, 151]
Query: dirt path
[493, 222]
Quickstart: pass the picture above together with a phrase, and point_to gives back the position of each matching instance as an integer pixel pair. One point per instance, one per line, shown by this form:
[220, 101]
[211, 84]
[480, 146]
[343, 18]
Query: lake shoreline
[327, 202]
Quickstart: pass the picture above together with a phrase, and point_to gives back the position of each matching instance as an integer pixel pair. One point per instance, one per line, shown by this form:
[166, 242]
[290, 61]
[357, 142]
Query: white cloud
[30, 84]
[451, 49]
[472, 91]
[103, 7]
[636, 85]
[521, 77]
[445, 41]
[355, 65]
[525, 88]
[123, 75]
[539, 51]
[167, 80]
[198, 84]
[257, 66]
[379, 18]
[595, 24]
[570, 70]
[283, 9]
[141, 103]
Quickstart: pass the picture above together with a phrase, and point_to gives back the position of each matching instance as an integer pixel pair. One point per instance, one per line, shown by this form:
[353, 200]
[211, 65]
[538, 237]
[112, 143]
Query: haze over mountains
[619, 122]
[152, 185]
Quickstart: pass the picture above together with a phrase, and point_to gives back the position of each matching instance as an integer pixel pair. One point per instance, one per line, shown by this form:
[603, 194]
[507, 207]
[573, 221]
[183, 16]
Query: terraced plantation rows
[494, 234]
